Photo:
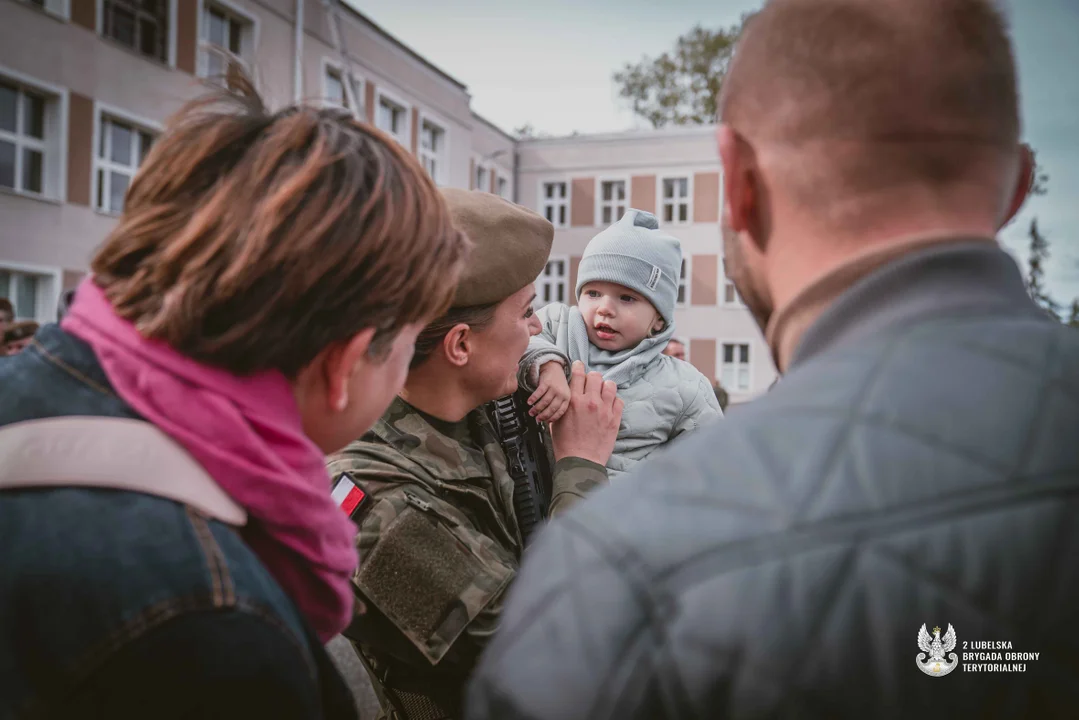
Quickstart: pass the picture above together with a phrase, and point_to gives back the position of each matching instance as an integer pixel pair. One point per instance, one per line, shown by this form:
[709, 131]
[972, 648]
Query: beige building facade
[86, 85]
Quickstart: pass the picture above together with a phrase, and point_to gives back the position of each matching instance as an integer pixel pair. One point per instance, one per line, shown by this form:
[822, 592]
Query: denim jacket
[116, 604]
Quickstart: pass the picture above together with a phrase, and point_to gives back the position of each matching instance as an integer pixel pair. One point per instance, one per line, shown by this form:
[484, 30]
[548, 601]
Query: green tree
[1039, 254]
[529, 132]
[681, 87]
[1039, 250]
[1073, 314]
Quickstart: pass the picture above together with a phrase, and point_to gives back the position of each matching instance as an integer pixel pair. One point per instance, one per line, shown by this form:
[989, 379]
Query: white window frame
[503, 187]
[600, 203]
[57, 8]
[140, 123]
[687, 283]
[737, 302]
[720, 364]
[552, 282]
[405, 138]
[496, 173]
[249, 41]
[477, 168]
[441, 157]
[48, 296]
[542, 202]
[54, 168]
[329, 65]
[661, 201]
[171, 48]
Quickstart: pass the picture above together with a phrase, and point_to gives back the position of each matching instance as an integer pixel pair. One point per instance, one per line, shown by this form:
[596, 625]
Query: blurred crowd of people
[14, 336]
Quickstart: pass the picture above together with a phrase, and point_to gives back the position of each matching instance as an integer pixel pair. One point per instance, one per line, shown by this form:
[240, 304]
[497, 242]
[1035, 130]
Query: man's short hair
[7, 308]
[922, 90]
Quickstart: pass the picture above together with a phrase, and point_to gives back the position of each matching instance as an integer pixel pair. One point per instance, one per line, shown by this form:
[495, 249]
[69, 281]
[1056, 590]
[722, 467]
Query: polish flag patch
[347, 494]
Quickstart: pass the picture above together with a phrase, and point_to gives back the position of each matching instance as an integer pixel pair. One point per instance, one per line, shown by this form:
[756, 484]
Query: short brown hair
[917, 89]
[477, 317]
[251, 241]
[7, 307]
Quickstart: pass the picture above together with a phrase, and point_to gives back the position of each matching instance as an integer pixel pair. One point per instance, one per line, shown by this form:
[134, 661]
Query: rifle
[528, 457]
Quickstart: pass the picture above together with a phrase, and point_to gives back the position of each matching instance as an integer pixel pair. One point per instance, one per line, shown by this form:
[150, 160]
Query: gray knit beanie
[635, 253]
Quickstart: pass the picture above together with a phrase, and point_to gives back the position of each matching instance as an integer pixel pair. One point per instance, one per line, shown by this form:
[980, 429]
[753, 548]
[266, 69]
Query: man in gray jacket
[891, 531]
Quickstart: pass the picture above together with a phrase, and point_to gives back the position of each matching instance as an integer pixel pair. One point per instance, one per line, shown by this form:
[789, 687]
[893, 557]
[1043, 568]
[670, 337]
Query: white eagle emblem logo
[935, 647]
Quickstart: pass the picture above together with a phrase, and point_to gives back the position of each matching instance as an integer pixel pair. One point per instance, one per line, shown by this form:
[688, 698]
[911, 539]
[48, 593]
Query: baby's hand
[551, 398]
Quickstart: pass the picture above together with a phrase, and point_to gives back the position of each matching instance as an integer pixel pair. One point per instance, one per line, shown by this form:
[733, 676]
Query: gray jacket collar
[971, 276]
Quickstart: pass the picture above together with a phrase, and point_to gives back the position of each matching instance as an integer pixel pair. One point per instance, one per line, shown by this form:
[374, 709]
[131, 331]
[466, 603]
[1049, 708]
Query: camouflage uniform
[439, 545]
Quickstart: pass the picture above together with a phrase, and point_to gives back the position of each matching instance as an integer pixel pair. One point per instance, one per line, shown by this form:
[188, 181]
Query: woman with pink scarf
[171, 548]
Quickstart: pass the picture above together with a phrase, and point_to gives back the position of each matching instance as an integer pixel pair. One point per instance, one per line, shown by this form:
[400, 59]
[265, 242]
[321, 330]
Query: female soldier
[256, 306]
[428, 486]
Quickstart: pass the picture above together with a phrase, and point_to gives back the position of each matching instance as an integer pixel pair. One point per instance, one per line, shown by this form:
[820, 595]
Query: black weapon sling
[528, 457]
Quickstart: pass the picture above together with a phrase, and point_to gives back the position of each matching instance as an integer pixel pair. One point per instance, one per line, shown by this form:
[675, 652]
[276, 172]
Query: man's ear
[1024, 184]
[734, 181]
[341, 363]
[658, 325]
[741, 191]
[458, 344]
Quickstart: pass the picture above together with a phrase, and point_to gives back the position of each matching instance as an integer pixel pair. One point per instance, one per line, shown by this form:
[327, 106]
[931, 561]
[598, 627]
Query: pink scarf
[247, 434]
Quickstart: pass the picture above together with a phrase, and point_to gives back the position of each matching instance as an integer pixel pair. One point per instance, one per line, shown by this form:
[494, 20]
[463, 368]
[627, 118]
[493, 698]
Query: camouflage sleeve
[434, 577]
[574, 478]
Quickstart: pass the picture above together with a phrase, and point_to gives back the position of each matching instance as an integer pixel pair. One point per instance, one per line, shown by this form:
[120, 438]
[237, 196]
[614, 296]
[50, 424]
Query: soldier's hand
[551, 398]
[590, 425]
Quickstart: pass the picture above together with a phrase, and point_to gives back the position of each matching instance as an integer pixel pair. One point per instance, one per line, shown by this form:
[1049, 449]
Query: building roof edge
[389, 36]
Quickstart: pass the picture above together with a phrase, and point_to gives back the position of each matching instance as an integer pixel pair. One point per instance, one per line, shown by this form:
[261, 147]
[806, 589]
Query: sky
[550, 63]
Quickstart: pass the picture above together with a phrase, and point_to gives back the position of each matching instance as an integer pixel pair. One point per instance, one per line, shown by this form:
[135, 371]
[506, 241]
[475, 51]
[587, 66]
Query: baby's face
[617, 318]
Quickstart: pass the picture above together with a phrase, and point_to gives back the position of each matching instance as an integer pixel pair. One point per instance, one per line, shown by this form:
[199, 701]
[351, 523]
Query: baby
[627, 286]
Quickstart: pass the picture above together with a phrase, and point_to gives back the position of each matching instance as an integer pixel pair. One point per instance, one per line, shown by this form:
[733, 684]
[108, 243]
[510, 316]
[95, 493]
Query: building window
[392, 117]
[224, 36]
[335, 88]
[433, 149]
[675, 200]
[551, 286]
[480, 180]
[554, 203]
[683, 283]
[612, 204]
[730, 294]
[121, 149]
[31, 294]
[142, 25]
[24, 139]
[734, 374]
[503, 188]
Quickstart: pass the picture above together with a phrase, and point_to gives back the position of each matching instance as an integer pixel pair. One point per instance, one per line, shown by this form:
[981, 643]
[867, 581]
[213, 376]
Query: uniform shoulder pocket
[430, 575]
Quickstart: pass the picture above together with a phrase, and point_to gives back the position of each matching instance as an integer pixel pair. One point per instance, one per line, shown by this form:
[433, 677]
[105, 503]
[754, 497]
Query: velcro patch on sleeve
[419, 575]
[348, 495]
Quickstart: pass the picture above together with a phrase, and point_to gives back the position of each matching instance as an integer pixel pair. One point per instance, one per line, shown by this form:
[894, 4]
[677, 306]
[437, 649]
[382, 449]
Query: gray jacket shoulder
[861, 483]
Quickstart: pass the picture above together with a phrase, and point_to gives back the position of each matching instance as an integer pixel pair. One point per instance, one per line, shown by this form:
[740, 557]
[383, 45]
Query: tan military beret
[512, 244]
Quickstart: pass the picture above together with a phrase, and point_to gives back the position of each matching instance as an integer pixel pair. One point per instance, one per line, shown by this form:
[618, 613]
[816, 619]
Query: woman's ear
[457, 345]
[658, 325]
